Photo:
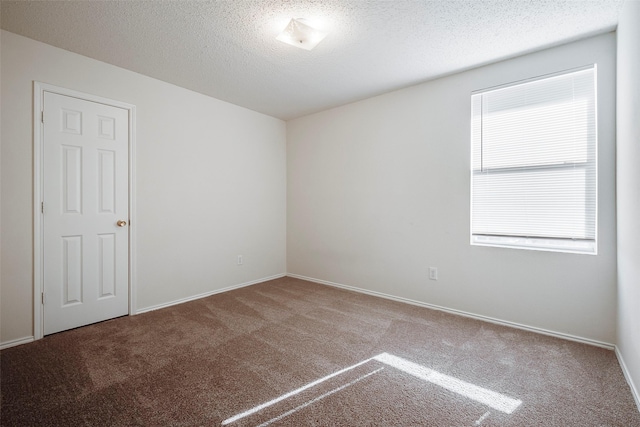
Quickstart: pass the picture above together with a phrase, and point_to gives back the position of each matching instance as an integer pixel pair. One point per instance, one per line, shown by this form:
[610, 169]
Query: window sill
[537, 244]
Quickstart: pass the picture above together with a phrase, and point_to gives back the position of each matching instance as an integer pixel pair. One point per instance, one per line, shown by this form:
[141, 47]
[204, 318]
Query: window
[534, 166]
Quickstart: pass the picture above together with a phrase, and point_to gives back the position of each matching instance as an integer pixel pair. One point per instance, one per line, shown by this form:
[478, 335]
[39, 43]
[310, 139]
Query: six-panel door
[85, 186]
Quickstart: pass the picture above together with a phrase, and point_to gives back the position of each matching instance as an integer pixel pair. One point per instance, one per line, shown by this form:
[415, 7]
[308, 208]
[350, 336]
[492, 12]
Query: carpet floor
[295, 353]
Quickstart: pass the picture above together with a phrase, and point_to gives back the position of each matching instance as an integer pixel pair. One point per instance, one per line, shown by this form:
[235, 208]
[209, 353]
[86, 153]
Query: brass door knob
[121, 223]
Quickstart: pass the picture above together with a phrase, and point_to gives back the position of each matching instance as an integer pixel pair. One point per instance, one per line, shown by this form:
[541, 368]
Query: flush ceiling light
[301, 35]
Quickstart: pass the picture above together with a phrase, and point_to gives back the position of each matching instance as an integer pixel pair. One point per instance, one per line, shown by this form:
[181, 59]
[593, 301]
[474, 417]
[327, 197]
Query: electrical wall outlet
[240, 261]
[433, 273]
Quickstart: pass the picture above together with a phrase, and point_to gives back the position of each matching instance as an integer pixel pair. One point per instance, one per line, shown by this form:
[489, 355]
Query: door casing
[38, 231]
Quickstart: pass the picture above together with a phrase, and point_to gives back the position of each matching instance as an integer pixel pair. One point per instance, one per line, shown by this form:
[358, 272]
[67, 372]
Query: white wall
[628, 191]
[379, 190]
[211, 182]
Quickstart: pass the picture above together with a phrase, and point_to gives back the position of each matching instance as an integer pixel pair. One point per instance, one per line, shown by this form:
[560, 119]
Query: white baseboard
[16, 342]
[542, 331]
[207, 294]
[627, 376]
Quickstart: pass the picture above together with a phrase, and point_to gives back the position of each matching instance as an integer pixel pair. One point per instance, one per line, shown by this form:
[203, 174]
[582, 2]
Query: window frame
[536, 243]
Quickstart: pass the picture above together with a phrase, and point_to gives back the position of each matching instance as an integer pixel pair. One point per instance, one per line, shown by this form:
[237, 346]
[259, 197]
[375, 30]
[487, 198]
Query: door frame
[38, 227]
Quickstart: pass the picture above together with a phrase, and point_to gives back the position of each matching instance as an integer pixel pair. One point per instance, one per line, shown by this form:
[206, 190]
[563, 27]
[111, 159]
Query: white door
[85, 212]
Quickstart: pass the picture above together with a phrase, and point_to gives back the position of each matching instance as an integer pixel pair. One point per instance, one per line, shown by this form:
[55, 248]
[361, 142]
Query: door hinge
[42, 116]
[42, 207]
[43, 298]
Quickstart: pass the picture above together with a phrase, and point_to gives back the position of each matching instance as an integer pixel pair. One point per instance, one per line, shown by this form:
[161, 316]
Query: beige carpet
[290, 352]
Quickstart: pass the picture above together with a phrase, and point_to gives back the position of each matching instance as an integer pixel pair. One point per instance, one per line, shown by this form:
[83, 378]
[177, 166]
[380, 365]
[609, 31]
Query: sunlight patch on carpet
[490, 398]
[482, 395]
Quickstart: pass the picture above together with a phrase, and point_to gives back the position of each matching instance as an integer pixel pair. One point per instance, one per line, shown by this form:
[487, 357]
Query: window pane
[546, 134]
[533, 203]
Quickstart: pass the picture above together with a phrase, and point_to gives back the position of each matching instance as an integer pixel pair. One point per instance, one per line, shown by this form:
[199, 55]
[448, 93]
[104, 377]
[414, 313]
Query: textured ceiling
[228, 50]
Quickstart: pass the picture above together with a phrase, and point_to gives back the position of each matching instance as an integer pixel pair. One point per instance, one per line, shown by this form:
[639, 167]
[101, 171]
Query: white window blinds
[534, 163]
